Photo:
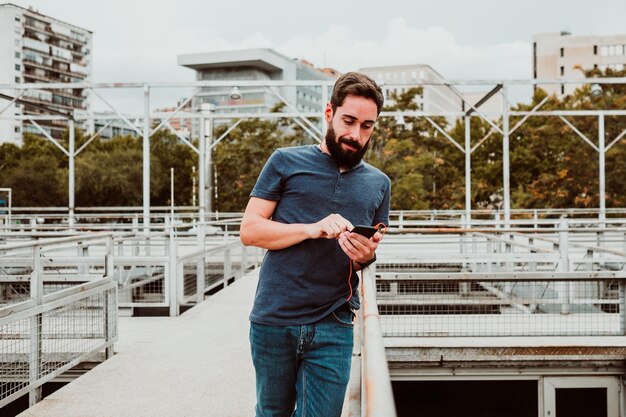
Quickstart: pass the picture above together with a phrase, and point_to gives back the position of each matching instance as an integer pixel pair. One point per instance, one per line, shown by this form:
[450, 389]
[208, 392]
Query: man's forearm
[273, 235]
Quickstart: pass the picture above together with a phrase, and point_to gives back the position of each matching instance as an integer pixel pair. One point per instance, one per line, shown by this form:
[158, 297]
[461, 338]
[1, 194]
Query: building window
[17, 129]
[562, 89]
[562, 71]
[595, 66]
[562, 52]
[17, 79]
[17, 67]
[17, 42]
[17, 54]
[595, 49]
[17, 19]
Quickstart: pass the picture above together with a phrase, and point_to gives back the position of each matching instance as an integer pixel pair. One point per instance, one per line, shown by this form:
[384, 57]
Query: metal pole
[564, 287]
[209, 169]
[36, 323]
[146, 159]
[202, 173]
[72, 173]
[505, 157]
[468, 173]
[173, 271]
[172, 193]
[602, 150]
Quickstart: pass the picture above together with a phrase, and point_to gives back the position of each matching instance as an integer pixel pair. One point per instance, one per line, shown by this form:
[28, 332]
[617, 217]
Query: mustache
[350, 142]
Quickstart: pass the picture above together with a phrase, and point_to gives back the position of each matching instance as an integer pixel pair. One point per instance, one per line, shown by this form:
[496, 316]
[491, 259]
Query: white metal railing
[369, 390]
[167, 270]
[467, 304]
[49, 334]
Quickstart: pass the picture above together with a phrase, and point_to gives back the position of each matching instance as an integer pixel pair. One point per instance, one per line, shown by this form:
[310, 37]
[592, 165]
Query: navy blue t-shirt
[303, 283]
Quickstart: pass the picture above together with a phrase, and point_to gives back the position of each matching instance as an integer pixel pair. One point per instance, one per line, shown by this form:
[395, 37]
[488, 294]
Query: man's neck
[325, 150]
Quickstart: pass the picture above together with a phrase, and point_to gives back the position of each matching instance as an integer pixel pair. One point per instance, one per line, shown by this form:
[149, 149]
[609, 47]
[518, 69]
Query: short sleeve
[269, 185]
[382, 213]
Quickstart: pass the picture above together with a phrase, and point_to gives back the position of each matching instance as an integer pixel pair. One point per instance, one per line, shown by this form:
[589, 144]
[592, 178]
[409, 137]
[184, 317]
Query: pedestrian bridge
[544, 305]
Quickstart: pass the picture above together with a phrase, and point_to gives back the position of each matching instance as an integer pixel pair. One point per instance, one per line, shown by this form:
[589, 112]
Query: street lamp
[235, 94]
[596, 90]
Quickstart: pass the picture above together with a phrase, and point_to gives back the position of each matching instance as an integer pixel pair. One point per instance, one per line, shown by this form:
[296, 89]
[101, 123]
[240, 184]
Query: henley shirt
[305, 282]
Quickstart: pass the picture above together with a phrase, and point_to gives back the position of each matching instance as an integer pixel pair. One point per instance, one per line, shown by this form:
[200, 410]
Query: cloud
[154, 58]
[403, 45]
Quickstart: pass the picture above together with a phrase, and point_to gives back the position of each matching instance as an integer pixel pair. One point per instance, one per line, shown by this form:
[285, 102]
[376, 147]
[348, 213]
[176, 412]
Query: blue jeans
[306, 366]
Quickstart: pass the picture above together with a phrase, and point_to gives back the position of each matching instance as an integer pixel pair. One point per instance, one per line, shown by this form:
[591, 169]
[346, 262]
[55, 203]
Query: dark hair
[356, 84]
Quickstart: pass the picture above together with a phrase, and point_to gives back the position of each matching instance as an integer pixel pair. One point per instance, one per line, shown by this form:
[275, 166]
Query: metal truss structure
[207, 142]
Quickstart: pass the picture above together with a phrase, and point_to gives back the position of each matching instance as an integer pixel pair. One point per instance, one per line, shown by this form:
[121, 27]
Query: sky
[461, 39]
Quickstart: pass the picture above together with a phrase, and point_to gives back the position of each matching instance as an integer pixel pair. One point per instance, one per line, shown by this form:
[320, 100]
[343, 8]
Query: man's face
[349, 129]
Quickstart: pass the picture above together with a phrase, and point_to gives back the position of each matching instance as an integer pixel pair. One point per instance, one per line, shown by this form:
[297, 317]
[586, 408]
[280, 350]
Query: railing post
[36, 322]
[200, 264]
[110, 301]
[622, 306]
[83, 251]
[173, 273]
[228, 266]
[244, 260]
[565, 287]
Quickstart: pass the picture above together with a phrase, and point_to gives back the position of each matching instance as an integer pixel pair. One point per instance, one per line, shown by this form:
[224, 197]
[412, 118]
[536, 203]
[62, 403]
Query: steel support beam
[506, 174]
[146, 159]
[208, 186]
[202, 174]
[72, 173]
[602, 168]
[468, 174]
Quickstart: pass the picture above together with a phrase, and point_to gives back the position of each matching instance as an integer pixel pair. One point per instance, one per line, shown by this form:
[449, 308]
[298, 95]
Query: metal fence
[47, 335]
[502, 304]
[166, 270]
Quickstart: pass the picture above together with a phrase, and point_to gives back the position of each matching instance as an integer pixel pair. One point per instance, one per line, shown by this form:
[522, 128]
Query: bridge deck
[197, 364]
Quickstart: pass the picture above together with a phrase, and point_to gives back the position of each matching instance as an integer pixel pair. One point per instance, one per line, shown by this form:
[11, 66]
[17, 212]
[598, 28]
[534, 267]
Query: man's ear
[328, 112]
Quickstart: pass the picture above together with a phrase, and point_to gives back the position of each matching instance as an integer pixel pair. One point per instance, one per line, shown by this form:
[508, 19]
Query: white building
[35, 48]
[435, 98]
[254, 65]
[560, 55]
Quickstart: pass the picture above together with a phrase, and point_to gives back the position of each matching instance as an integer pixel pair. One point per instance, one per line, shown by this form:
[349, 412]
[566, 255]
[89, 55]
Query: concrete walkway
[195, 365]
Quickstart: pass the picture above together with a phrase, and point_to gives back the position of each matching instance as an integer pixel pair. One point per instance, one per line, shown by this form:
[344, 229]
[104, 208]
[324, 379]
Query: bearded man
[304, 205]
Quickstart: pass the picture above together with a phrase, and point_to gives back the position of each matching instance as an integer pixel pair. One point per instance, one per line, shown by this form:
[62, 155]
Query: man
[302, 208]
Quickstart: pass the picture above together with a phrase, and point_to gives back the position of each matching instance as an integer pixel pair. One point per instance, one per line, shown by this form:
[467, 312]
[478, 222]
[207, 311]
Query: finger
[343, 223]
[361, 240]
[348, 248]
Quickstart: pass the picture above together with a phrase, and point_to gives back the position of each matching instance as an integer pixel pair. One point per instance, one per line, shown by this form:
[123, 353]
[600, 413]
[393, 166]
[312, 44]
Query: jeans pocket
[343, 317]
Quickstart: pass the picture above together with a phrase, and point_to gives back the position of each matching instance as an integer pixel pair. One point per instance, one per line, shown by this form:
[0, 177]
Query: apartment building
[559, 55]
[35, 48]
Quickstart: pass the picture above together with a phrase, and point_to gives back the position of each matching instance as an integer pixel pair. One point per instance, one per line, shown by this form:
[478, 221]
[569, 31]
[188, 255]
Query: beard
[344, 158]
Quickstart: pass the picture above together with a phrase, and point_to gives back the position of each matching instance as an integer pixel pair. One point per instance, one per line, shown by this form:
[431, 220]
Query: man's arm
[258, 230]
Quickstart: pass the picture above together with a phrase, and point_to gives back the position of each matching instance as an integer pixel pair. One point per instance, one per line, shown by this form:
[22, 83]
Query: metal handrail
[56, 241]
[376, 392]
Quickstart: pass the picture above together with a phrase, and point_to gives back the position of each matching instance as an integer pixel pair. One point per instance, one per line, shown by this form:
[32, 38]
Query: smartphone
[367, 231]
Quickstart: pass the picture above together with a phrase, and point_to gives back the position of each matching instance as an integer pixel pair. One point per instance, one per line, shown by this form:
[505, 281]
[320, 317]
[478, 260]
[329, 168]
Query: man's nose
[355, 132]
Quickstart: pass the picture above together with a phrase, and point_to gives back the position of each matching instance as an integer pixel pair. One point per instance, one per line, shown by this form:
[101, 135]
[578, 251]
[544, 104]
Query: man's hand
[358, 247]
[330, 227]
